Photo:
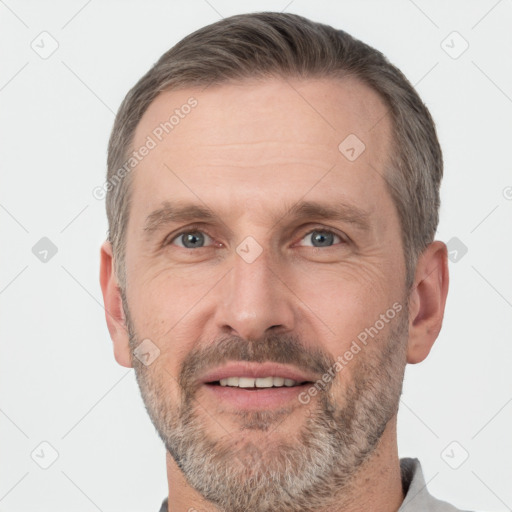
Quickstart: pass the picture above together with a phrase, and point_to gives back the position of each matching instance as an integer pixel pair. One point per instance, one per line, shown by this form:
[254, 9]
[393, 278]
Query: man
[272, 197]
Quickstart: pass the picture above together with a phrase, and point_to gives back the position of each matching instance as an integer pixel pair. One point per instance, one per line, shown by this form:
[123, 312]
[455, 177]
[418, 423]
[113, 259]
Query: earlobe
[427, 301]
[114, 313]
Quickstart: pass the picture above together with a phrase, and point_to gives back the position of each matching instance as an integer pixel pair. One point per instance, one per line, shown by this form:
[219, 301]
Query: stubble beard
[306, 473]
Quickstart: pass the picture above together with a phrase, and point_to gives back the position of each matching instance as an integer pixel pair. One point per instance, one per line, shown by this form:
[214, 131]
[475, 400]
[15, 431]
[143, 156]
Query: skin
[250, 152]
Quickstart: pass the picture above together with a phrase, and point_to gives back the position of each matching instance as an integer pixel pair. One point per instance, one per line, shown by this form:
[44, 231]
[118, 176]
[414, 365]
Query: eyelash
[200, 228]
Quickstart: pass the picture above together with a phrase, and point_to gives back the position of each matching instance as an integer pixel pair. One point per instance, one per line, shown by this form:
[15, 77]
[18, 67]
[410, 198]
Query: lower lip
[253, 399]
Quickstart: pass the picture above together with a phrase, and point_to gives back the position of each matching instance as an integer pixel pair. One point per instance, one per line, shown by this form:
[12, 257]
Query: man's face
[267, 286]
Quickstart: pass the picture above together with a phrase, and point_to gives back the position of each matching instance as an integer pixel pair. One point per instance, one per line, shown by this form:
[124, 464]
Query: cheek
[347, 297]
[349, 303]
[164, 306]
[164, 296]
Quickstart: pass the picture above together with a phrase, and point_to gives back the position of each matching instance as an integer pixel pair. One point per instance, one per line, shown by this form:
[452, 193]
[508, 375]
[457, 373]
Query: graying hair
[268, 44]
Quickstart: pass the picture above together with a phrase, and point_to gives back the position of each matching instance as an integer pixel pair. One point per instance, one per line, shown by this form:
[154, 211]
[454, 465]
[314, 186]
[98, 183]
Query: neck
[377, 485]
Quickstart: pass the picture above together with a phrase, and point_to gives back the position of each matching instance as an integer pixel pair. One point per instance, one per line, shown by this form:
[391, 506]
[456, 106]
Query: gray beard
[310, 473]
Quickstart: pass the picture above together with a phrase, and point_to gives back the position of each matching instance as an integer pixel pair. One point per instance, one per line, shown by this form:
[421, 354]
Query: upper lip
[255, 370]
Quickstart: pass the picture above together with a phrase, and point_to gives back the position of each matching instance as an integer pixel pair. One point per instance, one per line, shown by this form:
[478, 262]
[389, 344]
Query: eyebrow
[168, 213]
[179, 212]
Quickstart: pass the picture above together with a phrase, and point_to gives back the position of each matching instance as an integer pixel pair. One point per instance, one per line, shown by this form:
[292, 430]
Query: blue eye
[322, 238]
[197, 239]
[191, 239]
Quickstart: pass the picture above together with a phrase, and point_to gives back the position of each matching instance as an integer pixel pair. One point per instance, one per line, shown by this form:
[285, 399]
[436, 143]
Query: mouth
[256, 386]
[252, 383]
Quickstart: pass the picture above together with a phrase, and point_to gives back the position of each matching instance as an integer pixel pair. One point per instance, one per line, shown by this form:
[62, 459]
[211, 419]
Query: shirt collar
[415, 490]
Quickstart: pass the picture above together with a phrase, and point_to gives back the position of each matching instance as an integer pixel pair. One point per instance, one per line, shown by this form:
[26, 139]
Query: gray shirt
[417, 498]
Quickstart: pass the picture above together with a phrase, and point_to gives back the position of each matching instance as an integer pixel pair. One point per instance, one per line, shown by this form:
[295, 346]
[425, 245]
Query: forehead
[256, 142]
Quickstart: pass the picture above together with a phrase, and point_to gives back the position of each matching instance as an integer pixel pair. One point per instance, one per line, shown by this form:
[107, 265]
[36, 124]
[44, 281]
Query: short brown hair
[269, 44]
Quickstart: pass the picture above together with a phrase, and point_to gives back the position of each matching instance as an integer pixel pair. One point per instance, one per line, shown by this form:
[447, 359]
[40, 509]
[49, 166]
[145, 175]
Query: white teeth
[260, 382]
[246, 382]
[264, 382]
[278, 381]
[232, 381]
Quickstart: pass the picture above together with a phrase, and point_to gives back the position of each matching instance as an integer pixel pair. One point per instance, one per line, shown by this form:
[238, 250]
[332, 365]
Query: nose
[254, 299]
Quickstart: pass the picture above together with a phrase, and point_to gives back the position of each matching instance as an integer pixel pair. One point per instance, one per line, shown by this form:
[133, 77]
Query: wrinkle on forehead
[316, 114]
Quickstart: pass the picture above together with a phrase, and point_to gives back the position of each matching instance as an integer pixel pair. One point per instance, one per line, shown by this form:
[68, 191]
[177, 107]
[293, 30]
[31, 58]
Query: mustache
[277, 348]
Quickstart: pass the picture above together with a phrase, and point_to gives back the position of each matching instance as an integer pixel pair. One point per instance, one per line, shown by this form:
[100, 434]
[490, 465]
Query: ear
[114, 312]
[427, 301]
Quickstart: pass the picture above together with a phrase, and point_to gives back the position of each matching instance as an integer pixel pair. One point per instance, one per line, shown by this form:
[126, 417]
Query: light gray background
[59, 382]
